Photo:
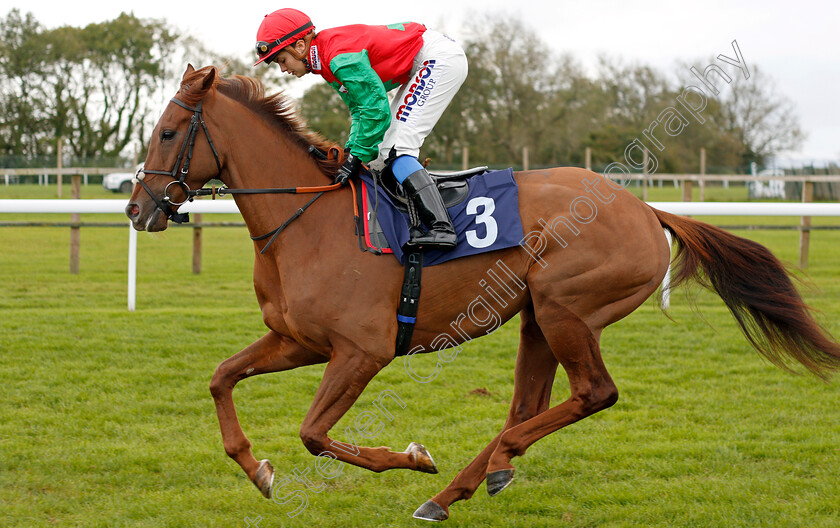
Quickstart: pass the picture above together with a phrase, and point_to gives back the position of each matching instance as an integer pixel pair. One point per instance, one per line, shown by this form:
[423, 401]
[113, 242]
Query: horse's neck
[258, 156]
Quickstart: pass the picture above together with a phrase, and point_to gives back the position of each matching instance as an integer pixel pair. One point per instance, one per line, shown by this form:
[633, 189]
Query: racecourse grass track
[106, 418]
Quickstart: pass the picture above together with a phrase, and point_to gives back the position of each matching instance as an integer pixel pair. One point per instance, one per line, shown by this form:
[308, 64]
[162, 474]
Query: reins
[185, 154]
[222, 191]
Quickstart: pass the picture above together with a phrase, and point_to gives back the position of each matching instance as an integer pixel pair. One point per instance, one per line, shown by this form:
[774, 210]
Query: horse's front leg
[346, 376]
[271, 353]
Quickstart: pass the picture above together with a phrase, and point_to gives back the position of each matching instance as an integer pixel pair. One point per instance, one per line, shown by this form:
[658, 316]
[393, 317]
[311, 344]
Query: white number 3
[486, 218]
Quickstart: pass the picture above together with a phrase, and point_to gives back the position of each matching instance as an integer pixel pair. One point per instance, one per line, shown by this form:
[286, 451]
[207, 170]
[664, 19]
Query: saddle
[453, 187]
[454, 190]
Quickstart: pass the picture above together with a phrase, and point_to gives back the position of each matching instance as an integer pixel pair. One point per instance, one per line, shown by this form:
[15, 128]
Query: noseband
[185, 154]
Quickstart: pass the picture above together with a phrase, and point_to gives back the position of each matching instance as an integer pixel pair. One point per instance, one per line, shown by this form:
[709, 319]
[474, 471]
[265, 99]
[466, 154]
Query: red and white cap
[279, 29]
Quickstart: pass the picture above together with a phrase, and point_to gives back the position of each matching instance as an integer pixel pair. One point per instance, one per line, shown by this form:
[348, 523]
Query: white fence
[112, 206]
[229, 206]
[106, 206]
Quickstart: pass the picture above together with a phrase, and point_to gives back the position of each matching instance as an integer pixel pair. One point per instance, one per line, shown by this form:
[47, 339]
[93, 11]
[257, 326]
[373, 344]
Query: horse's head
[178, 160]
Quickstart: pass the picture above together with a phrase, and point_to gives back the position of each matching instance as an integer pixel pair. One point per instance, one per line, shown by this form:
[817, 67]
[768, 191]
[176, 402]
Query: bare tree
[763, 120]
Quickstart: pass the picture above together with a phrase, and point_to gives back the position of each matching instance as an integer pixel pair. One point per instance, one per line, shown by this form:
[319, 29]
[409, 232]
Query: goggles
[264, 49]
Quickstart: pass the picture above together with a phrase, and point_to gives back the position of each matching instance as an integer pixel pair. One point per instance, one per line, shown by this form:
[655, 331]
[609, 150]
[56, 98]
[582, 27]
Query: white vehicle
[120, 181]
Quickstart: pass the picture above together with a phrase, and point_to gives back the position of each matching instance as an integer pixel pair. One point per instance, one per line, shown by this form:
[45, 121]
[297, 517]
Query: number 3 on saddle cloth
[484, 210]
[485, 213]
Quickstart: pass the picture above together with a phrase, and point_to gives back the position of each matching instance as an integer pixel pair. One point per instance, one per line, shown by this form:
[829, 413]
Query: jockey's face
[289, 63]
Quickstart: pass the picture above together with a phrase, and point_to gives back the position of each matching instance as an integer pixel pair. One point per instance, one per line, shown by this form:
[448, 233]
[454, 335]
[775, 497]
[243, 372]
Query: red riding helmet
[279, 29]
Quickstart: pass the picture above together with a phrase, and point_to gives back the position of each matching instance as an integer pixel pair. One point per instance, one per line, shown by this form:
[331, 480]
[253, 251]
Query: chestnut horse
[592, 254]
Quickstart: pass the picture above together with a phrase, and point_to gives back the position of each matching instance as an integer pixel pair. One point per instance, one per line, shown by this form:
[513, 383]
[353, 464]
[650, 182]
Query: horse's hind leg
[271, 353]
[592, 389]
[533, 377]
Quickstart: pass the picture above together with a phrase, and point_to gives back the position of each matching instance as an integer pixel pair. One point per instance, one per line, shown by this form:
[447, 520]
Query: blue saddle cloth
[487, 220]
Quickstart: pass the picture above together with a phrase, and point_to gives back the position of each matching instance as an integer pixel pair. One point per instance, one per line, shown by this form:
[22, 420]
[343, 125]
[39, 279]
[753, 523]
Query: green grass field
[106, 419]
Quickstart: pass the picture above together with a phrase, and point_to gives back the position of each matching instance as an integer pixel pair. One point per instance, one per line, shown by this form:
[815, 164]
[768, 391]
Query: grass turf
[106, 419]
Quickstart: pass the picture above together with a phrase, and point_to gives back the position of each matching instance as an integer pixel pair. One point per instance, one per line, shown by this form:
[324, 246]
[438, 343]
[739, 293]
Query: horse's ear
[190, 70]
[207, 83]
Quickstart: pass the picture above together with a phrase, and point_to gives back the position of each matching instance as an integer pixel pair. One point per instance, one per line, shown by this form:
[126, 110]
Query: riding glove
[350, 168]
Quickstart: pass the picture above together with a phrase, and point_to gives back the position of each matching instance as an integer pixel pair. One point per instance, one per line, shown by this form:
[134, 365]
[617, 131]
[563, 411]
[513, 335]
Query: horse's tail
[758, 291]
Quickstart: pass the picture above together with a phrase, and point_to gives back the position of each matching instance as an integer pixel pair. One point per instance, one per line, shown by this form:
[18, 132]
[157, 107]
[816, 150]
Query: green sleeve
[365, 96]
[354, 123]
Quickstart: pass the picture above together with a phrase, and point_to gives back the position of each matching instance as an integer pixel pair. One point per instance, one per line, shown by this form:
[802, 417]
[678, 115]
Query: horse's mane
[278, 109]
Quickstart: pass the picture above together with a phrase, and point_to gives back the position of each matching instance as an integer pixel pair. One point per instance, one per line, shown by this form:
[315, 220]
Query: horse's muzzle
[132, 211]
[151, 222]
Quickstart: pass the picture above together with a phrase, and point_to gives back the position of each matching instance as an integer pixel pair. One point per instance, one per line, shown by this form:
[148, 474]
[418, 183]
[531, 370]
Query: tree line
[520, 93]
[101, 87]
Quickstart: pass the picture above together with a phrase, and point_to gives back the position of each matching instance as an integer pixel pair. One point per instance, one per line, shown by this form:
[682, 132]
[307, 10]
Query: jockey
[363, 63]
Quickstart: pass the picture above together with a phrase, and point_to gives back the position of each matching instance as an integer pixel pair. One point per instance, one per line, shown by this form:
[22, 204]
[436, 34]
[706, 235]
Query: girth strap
[409, 301]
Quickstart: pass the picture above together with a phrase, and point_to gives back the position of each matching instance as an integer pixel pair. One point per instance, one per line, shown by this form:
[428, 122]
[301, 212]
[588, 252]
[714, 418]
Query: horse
[592, 254]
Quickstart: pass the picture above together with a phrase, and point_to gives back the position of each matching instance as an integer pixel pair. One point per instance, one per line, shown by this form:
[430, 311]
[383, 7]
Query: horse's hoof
[498, 480]
[430, 511]
[422, 458]
[264, 478]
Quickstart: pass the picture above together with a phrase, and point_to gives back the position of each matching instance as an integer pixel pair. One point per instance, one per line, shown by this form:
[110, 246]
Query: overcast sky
[797, 44]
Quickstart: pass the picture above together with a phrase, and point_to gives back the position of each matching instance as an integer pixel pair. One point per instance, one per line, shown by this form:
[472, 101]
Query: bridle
[165, 203]
[179, 177]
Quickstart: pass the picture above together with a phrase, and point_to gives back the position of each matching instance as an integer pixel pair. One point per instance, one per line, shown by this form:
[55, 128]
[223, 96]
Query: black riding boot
[421, 190]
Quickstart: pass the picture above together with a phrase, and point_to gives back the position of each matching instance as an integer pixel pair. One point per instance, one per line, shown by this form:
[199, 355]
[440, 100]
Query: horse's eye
[166, 135]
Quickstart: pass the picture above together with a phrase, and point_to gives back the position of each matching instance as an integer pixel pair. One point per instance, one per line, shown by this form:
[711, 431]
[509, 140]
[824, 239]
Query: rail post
[686, 191]
[197, 236]
[58, 149]
[805, 226]
[75, 229]
[132, 268]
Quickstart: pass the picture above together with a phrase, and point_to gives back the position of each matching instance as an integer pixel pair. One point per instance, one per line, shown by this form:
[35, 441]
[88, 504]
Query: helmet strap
[307, 40]
[303, 57]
